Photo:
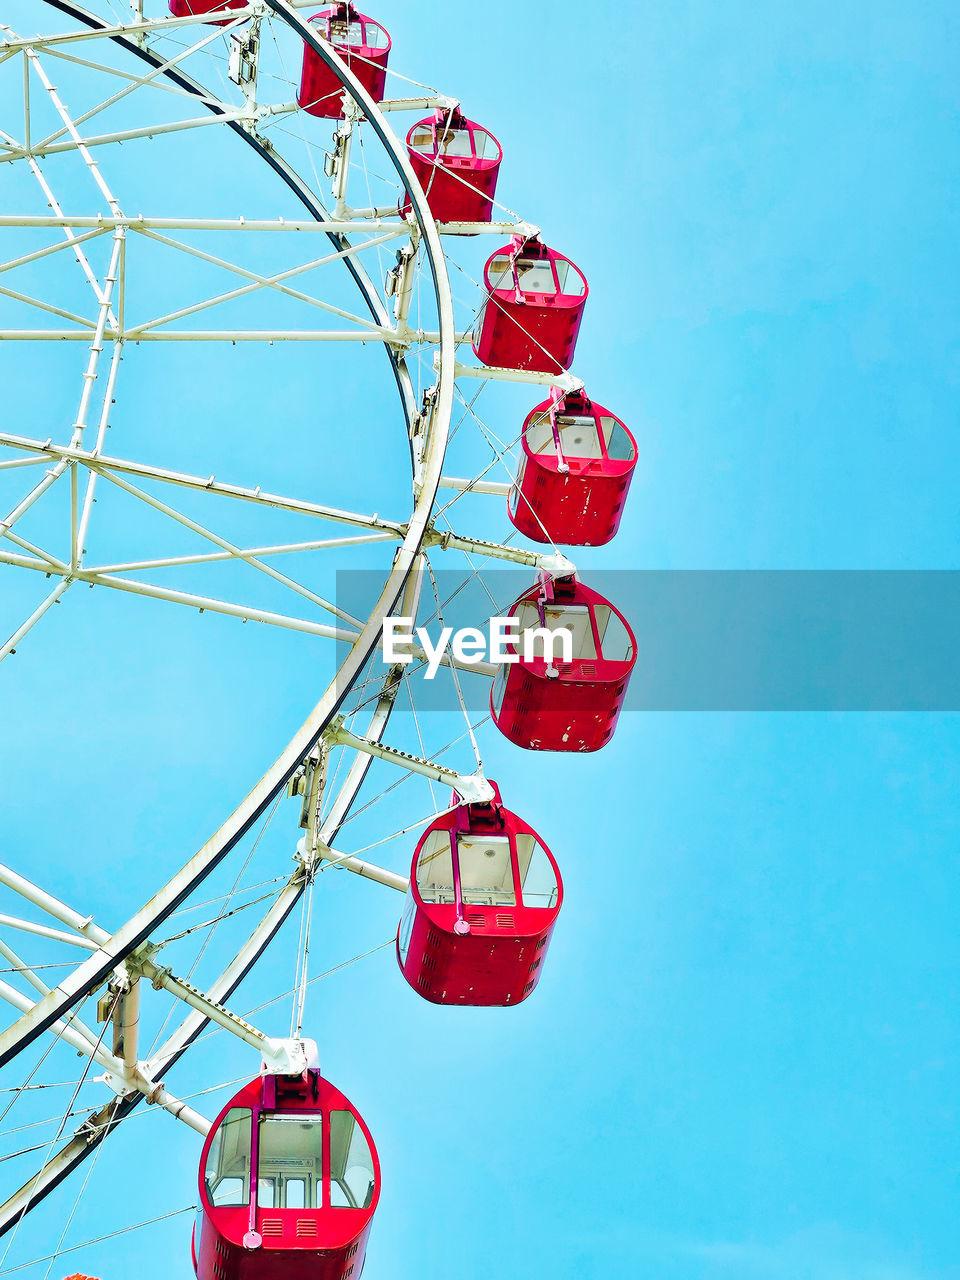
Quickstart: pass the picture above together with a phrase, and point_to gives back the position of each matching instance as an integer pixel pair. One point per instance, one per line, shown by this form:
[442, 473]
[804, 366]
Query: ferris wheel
[102, 293]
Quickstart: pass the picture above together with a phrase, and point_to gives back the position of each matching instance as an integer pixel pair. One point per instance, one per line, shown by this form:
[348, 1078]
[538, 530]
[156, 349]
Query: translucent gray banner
[732, 640]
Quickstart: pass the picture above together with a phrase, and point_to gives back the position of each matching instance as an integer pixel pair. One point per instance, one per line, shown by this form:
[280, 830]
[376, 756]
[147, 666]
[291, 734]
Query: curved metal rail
[92, 973]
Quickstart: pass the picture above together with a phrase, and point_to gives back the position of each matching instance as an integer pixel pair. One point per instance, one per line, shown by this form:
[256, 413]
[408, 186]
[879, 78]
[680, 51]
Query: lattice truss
[100, 286]
[104, 270]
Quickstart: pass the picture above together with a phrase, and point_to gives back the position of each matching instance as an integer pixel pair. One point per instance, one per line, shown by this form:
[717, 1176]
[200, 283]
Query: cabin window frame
[329, 1180]
[476, 900]
[246, 1116]
[439, 127]
[268, 1115]
[538, 418]
[539, 854]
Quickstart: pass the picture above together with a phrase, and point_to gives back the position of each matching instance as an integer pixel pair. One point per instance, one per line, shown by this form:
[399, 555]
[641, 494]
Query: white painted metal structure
[122, 963]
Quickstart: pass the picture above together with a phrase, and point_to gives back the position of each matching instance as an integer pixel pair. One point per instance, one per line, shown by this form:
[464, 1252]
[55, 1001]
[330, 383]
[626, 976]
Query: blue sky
[741, 1061]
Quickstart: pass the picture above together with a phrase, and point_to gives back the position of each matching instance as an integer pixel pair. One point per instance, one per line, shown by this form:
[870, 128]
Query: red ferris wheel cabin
[547, 703]
[533, 310]
[485, 893]
[578, 460]
[456, 162]
[191, 8]
[289, 1181]
[362, 43]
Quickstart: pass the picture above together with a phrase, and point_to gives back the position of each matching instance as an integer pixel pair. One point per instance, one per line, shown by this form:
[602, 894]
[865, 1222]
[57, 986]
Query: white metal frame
[121, 960]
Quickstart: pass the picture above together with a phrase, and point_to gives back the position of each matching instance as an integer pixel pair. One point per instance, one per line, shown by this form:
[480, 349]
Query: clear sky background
[741, 1061]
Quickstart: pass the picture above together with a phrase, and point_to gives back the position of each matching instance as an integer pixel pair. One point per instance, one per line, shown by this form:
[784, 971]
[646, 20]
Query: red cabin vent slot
[477, 918]
[505, 920]
[219, 1271]
[271, 1227]
[306, 1229]
[588, 668]
[347, 1272]
[429, 962]
[541, 944]
[528, 988]
[222, 1248]
[423, 983]
[352, 1250]
[433, 938]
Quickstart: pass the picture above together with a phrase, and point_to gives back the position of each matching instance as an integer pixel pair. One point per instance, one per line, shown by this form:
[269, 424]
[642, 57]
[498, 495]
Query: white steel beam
[498, 488]
[78, 142]
[50, 248]
[39, 985]
[56, 565]
[25, 562]
[565, 381]
[136, 566]
[151, 78]
[70, 237]
[161, 1097]
[246, 613]
[472, 788]
[368, 870]
[62, 1029]
[52, 906]
[553, 562]
[48, 307]
[258, 281]
[434, 102]
[233, 550]
[233, 336]
[35, 493]
[209, 484]
[44, 931]
[11, 644]
[101, 222]
[128, 135]
[173, 89]
[128, 29]
[525, 229]
[19, 462]
[282, 1056]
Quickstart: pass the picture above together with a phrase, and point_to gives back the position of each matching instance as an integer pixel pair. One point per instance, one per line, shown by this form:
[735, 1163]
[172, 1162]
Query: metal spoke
[150, 78]
[260, 282]
[21, 631]
[235, 551]
[323, 544]
[208, 484]
[50, 249]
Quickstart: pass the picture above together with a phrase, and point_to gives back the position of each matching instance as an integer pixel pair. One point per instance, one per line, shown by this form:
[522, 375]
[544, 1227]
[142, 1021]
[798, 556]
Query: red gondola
[485, 892]
[362, 43]
[568, 703]
[573, 479]
[457, 163]
[289, 1181]
[532, 315]
[189, 8]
